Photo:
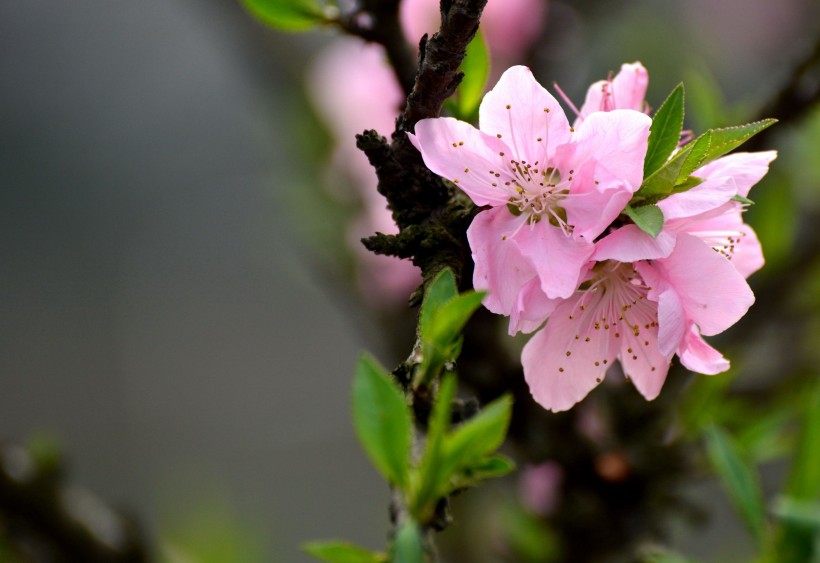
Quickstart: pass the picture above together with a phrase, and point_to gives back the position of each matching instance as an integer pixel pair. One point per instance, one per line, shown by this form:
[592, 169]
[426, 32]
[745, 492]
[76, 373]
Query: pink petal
[627, 90]
[643, 363]
[704, 197]
[464, 155]
[597, 197]
[745, 168]
[629, 87]
[713, 294]
[522, 111]
[558, 258]
[594, 100]
[531, 308]
[617, 140]
[671, 322]
[699, 357]
[748, 254]
[560, 363]
[671, 316]
[500, 268]
[630, 244]
[743, 250]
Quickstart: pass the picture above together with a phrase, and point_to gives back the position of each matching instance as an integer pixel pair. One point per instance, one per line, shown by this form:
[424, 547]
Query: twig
[377, 21]
[47, 521]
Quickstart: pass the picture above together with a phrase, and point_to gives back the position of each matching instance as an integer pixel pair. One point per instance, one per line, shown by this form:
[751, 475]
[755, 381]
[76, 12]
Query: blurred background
[180, 310]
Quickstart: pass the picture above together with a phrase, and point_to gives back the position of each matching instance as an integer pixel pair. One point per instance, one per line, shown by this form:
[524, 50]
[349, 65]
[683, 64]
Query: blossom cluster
[556, 253]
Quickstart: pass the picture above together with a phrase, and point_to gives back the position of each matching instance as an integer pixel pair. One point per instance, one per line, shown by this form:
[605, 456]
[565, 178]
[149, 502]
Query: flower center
[617, 295]
[538, 192]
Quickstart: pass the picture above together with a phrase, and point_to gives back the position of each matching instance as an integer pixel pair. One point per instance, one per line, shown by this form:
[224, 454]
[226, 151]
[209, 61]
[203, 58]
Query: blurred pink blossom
[354, 89]
[539, 487]
[510, 27]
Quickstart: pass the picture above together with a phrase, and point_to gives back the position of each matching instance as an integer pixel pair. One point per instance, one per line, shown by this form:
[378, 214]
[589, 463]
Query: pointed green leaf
[431, 477]
[479, 436]
[739, 478]
[706, 148]
[742, 199]
[664, 134]
[451, 317]
[382, 420]
[660, 183]
[648, 218]
[287, 15]
[342, 552]
[439, 421]
[441, 290]
[687, 184]
[729, 138]
[489, 467]
[476, 69]
[408, 547]
[441, 331]
[696, 157]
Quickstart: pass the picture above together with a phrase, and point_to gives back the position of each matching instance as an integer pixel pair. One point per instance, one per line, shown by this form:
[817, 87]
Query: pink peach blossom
[626, 90]
[353, 89]
[641, 314]
[551, 189]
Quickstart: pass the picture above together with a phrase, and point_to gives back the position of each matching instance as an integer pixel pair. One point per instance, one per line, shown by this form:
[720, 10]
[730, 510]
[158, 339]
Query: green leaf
[382, 420]
[729, 138]
[408, 546]
[739, 478]
[450, 319]
[648, 218]
[430, 474]
[439, 421]
[764, 435]
[662, 182]
[462, 457]
[742, 199]
[802, 513]
[478, 437]
[476, 69]
[287, 15]
[441, 290]
[696, 157]
[489, 467]
[804, 481]
[342, 552]
[664, 134]
[677, 170]
[441, 325]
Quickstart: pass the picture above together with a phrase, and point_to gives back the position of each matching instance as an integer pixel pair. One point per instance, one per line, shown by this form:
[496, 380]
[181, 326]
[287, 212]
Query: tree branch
[377, 21]
[47, 521]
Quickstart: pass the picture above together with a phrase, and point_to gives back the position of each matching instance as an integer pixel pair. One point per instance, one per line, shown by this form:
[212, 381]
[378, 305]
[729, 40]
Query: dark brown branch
[377, 21]
[44, 520]
[435, 213]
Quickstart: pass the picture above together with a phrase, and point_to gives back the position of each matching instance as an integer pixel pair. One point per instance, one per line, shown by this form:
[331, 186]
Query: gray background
[159, 315]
